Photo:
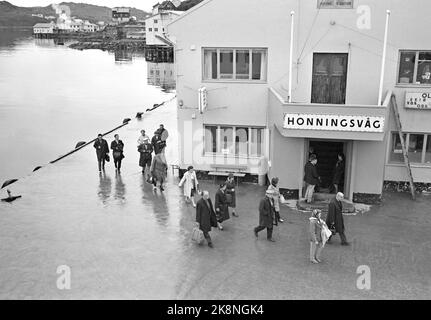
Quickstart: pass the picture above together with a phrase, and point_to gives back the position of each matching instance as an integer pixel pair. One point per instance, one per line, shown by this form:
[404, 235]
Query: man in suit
[311, 178]
[205, 216]
[102, 148]
[334, 219]
[266, 215]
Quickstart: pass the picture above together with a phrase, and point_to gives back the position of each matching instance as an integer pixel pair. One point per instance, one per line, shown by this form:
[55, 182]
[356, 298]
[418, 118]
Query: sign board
[418, 100]
[225, 151]
[334, 122]
[203, 99]
[335, 4]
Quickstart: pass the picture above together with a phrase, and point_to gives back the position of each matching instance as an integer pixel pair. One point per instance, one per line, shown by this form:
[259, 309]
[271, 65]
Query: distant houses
[121, 14]
[44, 29]
[156, 24]
[47, 30]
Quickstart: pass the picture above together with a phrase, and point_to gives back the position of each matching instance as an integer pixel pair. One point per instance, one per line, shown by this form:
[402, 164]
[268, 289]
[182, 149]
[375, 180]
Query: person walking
[117, 147]
[102, 149]
[266, 216]
[146, 149]
[273, 187]
[158, 172]
[334, 219]
[338, 179]
[316, 242]
[221, 207]
[205, 216]
[311, 178]
[191, 185]
[230, 194]
[142, 138]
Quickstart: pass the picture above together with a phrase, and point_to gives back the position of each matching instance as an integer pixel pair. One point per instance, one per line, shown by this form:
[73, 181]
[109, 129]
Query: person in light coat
[191, 185]
[275, 191]
[316, 242]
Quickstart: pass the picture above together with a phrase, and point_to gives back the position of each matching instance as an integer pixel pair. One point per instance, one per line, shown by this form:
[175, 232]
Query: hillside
[187, 4]
[11, 15]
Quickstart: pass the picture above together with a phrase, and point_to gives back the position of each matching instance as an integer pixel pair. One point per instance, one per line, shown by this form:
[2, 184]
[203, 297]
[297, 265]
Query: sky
[140, 4]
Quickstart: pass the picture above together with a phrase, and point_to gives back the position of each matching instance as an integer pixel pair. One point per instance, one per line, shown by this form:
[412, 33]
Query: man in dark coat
[117, 147]
[334, 219]
[230, 193]
[145, 159]
[311, 178]
[266, 216]
[102, 148]
[205, 216]
[221, 206]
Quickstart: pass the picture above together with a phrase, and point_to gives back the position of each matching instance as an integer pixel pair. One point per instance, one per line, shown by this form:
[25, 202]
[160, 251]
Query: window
[155, 20]
[415, 67]
[234, 64]
[156, 29]
[417, 145]
[234, 141]
[150, 29]
[335, 4]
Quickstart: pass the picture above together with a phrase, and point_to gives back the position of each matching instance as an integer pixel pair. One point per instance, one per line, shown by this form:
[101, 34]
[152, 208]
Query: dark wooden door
[329, 78]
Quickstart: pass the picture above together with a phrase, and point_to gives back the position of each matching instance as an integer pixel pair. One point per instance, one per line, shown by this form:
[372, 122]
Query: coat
[158, 168]
[158, 143]
[145, 151]
[117, 149]
[266, 213]
[338, 173]
[335, 215]
[205, 215]
[311, 176]
[230, 189]
[315, 230]
[275, 197]
[221, 207]
[187, 181]
[102, 148]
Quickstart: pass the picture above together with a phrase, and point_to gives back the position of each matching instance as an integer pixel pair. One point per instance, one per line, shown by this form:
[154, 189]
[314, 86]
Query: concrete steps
[322, 204]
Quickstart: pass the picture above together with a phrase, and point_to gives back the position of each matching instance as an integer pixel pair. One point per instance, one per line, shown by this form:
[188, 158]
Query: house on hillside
[44, 30]
[121, 14]
[156, 27]
[241, 109]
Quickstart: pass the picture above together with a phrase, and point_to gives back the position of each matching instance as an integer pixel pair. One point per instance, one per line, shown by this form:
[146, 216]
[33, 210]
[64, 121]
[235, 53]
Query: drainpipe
[292, 14]
[382, 74]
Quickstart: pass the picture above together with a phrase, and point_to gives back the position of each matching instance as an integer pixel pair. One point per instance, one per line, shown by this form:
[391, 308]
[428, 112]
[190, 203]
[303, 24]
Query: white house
[44, 28]
[156, 27]
[121, 14]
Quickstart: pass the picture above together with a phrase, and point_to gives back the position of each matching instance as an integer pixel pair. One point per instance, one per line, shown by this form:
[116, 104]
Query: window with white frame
[233, 141]
[234, 64]
[415, 67]
[418, 146]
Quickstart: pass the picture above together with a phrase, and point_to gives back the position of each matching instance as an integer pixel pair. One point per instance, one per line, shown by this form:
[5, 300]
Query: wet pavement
[122, 240]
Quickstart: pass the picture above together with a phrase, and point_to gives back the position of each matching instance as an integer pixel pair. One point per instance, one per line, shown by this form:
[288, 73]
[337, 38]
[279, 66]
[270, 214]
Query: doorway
[327, 155]
[329, 78]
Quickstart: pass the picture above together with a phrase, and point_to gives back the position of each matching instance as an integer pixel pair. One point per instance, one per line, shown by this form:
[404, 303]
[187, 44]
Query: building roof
[192, 9]
[43, 25]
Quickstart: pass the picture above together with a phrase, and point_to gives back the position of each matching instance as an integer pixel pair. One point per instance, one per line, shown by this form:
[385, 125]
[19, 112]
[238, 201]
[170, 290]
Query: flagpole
[292, 14]
[382, 73]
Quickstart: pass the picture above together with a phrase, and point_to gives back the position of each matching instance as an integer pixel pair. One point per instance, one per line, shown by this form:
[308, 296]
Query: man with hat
[266, 215]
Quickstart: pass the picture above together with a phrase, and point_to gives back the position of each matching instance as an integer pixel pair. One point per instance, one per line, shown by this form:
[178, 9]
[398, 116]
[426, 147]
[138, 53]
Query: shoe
[210, 245]
[271, 240]
[314, 261]
[345, 244]
[255, 233]
[154, 188]
[280, 220]
[318, 260]
[235, 215]
[194, 205]
[161, 188]
[220, 227]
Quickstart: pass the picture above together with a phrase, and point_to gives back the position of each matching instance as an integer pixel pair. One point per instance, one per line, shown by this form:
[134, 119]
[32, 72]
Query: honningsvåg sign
[334, 122]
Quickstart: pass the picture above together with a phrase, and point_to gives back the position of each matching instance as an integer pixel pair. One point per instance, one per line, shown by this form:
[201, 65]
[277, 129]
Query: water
[52, 97]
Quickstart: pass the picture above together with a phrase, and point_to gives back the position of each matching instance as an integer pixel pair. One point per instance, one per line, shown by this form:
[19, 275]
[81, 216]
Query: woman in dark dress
[117, 147]
[230, 193]
[221, 207]
[338, 180]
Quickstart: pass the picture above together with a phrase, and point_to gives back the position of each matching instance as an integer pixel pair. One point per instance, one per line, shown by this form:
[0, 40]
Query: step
[348, 207]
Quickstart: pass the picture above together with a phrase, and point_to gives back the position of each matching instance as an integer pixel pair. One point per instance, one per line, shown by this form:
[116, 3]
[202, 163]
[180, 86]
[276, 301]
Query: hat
[269, 192]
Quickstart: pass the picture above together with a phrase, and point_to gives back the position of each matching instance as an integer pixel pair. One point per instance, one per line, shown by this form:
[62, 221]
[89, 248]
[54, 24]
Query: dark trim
[367, 198]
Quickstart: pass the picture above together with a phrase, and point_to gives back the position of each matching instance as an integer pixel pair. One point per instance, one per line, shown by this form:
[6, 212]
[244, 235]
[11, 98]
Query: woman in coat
[230, 193]
[158, 171]
[191, 185]
[266, 216]
[222, 210]
[205, 216]
[117, 147]
[338, 179]
[316, 243]
[276, 197]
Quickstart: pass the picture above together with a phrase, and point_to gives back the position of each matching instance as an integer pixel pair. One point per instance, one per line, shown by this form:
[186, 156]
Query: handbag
[107, 158]
[229, 198]
[117, 155]
[197, 235]
[333, 230]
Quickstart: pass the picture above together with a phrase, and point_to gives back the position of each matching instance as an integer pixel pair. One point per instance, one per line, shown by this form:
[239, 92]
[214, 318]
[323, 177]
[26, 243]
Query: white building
[121, 14]
[89, 27]
[156, 27]
[44, 28]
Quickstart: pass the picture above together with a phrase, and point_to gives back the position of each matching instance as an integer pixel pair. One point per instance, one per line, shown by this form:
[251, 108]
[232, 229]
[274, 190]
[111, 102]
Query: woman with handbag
[230, 193]
[316, 243]
[191, 185]
[117, 147]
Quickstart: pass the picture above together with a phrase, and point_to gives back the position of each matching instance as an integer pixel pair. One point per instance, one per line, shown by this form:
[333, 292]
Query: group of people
[154, 168]
[312, 178]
